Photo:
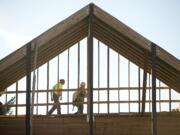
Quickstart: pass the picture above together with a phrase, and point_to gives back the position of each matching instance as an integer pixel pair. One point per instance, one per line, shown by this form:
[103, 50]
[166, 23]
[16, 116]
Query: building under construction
[133, 85]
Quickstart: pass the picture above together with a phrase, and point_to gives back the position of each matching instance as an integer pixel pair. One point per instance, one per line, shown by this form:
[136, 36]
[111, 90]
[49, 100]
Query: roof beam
[46, 37]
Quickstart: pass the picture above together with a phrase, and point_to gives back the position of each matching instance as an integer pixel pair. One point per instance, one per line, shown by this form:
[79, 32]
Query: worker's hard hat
[83, 83]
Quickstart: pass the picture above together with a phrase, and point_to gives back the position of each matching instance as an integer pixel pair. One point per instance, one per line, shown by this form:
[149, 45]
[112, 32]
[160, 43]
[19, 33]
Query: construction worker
[78, 98]
[55, 95]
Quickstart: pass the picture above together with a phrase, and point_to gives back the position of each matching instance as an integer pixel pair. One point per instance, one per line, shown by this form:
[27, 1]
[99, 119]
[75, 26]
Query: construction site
[132, 85]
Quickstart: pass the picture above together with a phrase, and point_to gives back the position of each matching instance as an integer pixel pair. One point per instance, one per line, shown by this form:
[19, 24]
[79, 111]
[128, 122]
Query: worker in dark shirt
[78, 98]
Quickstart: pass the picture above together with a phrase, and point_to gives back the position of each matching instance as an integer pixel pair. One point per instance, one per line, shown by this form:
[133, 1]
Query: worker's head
[83, 84]
[62, 81]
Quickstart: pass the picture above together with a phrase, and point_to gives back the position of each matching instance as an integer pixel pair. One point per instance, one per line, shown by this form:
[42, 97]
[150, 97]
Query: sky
[23, 20]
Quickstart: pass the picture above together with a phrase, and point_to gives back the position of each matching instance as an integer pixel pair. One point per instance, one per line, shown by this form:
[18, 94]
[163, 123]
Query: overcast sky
[23, 20]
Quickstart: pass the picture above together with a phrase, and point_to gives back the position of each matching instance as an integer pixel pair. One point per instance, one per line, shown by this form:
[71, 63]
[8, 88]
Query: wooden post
[159, 96]
[28, 89]
[98, 74]
[78, 64]
[37, 95]
[90, 69]
[47, 88]
[149, 93]
[68, 81]
[154, 115]
[58, 69]
[144, 83]
[169, 99]
[16, 98]
[118, 83]
[139, 89]
[108, 80]
[129, 86]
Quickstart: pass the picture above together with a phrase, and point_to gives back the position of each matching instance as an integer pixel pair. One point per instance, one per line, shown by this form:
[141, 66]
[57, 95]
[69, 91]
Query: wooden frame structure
[93, 22]
[113, 33]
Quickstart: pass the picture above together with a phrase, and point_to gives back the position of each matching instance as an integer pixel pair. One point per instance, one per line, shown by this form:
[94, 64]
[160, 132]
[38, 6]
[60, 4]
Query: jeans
[80, 109]
[56, 105]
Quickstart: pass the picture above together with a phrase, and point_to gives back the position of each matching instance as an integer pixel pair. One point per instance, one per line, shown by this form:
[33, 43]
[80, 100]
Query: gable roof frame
[108, 30]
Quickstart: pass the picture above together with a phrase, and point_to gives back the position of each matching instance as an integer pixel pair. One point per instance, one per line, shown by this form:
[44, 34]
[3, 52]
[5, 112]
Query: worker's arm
[60, 96]
[85, 93]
